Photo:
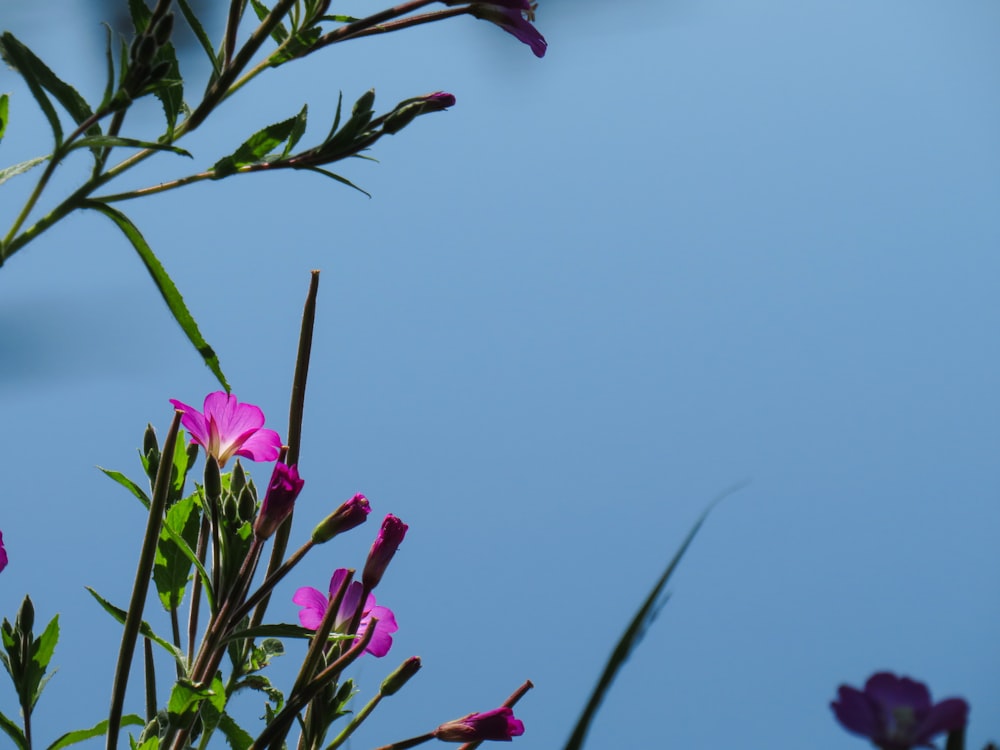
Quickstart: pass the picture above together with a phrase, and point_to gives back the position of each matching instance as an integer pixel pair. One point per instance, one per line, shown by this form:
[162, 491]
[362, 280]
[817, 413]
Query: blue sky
[698, 242]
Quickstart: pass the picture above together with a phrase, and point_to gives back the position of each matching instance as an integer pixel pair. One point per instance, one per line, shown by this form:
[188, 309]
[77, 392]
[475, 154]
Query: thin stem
[295, 412]
[153, 189]
[271, 581]
[175, 632]
[147, 556]
[203, 534]
[405, 744]
[343, 34]
[150, 671]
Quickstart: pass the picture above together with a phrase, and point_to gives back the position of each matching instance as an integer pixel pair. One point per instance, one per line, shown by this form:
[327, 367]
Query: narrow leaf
[10, 50]
[4, 99]
[298, 129]
[128, 484]
[636, 629]
[280, 33]
[282, 630]
[237, 737]
[165, 284]
[199, 32]
[140, 14]
[13, 731]
[257, 146]
[170, 89]
[119, 614]
[71, 738]
[92, 141]
[337, 177]
[65, 94]
[24, 166]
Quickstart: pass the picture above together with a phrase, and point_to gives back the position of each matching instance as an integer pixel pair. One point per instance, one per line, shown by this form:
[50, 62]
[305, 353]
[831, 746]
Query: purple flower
[3, 553]
[498, 724]
[279, 500]
[226, 427]
[390, 536]
[314, 604]
[349, 515]
[896, 713]
[514, 17]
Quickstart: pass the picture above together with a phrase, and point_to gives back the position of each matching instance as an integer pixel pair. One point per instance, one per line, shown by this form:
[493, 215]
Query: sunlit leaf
[257, 146]
[71, 738]
[128, 484]
[119, 614]
[92, 141]
[10, 50]
[171, 295]
[4, 103]
[13, 731]
[298, 129]
[172, 566]
[24, 166]
[237, 737]
[199, 32]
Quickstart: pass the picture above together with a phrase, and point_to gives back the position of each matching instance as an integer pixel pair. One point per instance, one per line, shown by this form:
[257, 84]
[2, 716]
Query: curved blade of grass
[171, 295]
[633, 634]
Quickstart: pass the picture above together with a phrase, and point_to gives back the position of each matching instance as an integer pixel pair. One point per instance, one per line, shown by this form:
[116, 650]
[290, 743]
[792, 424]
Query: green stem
[147, 556]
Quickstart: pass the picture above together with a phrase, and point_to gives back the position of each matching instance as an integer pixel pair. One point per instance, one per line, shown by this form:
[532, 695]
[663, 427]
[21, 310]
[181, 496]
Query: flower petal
[890, 691]
[856, 712]
[262, 445]
[946, 716]
[194, 422]
[313, 604]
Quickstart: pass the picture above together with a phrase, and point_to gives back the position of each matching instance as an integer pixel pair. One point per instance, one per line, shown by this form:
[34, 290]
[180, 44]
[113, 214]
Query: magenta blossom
[498, 724]
[350, 514]
[284, 487]
[896, 713]
[3, 553]
[514, 17]
[314, 604]
[226, 427]
[390, 536]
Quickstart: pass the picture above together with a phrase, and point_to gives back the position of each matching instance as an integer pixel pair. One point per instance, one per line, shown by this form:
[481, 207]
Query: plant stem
[133, 618]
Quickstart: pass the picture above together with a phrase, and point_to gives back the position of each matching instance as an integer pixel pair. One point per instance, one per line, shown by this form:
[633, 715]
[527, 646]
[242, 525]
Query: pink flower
[896, 713]
[498, 724]
[314, 605]
[390, 536]
[3, 553]
[226, 427]
[285, 486]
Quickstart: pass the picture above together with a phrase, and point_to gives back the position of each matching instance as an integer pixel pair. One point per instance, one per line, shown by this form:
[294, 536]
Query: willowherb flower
[314, 604]
[513, 16]
[279, 500]
[226, 427]
[350, 514]
[896, 713]
[498, 724]
[3, 553]
[390, 536]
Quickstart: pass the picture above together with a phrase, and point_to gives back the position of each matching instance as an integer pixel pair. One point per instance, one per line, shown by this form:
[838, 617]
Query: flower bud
[164, 27]
[406, 670]
[213, 480]
[3, 553]
[280, 499]
[407, 110]
[390, 536]
[498, 724]
[352, 513]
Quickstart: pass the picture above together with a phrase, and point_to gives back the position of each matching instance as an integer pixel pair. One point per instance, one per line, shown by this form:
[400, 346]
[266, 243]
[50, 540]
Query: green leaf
[10, 50]
[172, 566]
[13, 731]
[128, 484]
[4, 99]
[109, 55]
[296, 46]
[633, 634]
[281, 630]
[199, 32]
[42, 650]
[257, 146]
[24, 166]
[165, 284]
[337, 177]
[144, 629]
[279, 34]
[108, 141]
[237, 737]
[298, 129]
[65, 94]
[140, 14]
[71, 738]
[170, 89]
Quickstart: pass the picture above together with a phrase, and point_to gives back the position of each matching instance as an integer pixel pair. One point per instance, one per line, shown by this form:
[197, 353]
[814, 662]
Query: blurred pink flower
[226, 427]
[896, 713]
[3, 553]
[514, 17]
[314, 604]
[498, 724]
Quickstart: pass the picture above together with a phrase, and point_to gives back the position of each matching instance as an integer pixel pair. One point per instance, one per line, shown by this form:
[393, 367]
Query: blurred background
[698, 242]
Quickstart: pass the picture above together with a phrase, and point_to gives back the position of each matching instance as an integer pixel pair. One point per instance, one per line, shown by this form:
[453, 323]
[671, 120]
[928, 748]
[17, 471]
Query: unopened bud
[406, 670]
[406, 111]
[390, 536]
[350, 514]
[164, 27]
[279, 500]
[213, 480]
[144, 50]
